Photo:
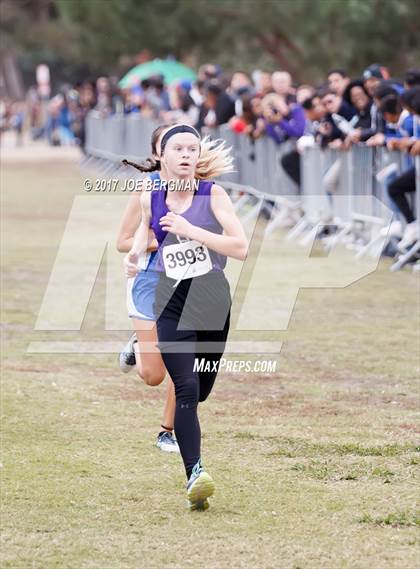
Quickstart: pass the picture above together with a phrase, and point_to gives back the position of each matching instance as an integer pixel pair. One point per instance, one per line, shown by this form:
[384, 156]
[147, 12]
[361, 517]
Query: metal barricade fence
[331, 180]
[138, 135]
[232, 141]
[114, 133]
[93, 129]
[259, 176]
[315, 166]
[361, 171]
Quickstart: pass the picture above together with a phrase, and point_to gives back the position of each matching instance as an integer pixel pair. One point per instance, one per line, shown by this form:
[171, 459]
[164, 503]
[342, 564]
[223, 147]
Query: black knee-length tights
[181, 347]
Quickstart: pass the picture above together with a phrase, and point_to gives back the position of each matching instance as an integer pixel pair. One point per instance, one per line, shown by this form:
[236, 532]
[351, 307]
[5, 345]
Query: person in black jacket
[334, 105]
[217, 107]
[358, 97]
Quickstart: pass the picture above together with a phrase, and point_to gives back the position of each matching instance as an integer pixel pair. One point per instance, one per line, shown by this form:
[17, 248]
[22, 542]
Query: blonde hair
[215, 159]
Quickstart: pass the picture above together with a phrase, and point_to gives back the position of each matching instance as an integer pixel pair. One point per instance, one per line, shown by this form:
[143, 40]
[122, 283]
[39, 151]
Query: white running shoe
[393, 230]
[200, 487]
[411, 235]
[127, 358]
[167, 442]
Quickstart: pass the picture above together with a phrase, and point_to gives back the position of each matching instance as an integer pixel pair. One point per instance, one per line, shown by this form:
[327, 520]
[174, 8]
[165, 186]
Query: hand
[130, 264]
[282, 106]
[399, 143]
[376, 140]
[355, 135]
[273, 118]
[392, 144]
[347, 143]
[336, 144]
[174, 223]
[415, 149]
[269, 116]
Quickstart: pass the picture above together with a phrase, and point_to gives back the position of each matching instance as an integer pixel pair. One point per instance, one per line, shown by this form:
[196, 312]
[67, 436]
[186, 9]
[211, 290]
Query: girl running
[140, 298]
[196, 229]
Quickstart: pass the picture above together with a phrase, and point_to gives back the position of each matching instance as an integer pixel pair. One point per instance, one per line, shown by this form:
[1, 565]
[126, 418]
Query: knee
[187, 392]
[393, 188]
[151, 377]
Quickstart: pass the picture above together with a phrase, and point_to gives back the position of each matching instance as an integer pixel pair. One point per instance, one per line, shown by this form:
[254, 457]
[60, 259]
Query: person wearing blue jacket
[403, 133]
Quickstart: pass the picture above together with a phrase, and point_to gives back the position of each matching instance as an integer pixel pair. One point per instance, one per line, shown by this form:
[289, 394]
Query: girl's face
[181, 154]
[359, 98]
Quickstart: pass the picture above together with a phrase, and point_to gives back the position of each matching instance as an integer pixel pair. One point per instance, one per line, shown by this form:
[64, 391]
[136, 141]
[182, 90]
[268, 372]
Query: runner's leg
[207, 378]
[179, 361]
[150, 366]
[169, 409]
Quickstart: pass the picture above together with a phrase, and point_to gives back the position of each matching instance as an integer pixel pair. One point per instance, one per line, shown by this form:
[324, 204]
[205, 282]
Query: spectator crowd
[374, 109]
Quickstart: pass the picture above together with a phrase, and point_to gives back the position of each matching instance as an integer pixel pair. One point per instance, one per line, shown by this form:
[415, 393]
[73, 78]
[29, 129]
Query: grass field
[316, 465]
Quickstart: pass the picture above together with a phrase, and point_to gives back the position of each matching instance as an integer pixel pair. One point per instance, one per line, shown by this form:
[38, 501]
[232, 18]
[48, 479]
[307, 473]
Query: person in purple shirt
[282, 121]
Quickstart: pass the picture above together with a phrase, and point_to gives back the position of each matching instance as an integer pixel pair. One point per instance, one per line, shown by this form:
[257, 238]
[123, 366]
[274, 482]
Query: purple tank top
[199, 213]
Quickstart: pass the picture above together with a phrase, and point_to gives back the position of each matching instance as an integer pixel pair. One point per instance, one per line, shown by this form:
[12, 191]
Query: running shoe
[393, 230]
[127, 358]
[410, 236]
[200, 487]
[167, 442]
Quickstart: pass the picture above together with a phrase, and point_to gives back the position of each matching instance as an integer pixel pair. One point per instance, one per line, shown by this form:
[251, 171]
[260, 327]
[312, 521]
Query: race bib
[186, 260]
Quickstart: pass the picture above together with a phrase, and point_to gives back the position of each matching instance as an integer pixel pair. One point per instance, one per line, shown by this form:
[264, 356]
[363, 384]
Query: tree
[305, 37]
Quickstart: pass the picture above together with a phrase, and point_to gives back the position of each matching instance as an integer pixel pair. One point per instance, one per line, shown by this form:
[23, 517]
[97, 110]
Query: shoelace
[197, 468]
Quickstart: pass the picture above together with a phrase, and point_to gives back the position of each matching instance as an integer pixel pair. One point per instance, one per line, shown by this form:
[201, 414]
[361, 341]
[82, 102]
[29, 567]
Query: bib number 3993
[186, 260]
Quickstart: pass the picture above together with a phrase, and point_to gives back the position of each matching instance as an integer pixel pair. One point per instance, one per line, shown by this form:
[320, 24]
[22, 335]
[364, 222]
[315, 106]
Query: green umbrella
[170, 69]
